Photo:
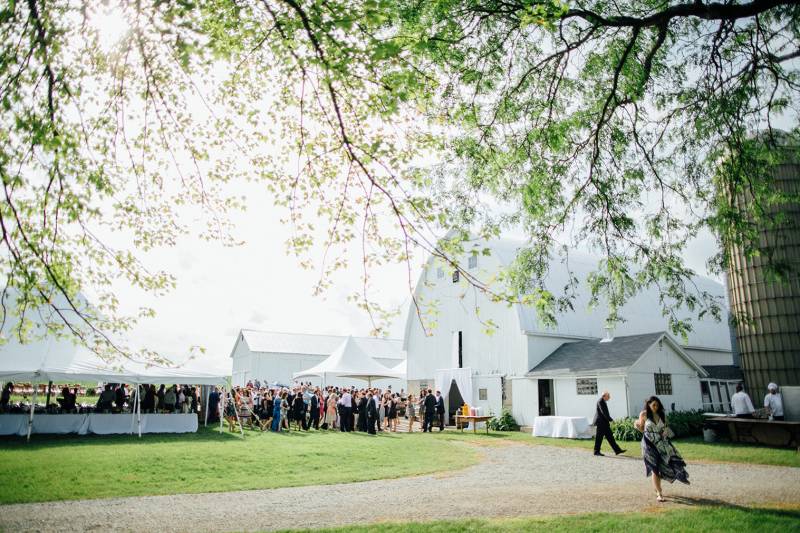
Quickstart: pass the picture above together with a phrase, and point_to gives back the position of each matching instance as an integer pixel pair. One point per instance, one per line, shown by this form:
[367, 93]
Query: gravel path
[512, 480]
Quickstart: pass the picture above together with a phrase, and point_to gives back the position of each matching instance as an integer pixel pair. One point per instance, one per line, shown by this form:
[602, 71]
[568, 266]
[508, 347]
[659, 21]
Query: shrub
[505, 422]
[682, 423]
[623, 430]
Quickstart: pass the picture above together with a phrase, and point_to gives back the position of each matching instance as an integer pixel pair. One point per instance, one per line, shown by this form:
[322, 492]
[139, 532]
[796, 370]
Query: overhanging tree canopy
[621, 126]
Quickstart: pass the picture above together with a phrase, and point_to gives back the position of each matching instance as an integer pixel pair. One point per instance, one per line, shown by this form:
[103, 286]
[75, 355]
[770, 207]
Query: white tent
[402, 368]
[350, 361]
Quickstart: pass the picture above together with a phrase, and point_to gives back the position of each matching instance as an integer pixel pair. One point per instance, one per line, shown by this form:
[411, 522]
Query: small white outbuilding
[275, 357]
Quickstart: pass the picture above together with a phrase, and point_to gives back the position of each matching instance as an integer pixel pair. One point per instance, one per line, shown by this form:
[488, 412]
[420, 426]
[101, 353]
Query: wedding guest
[440, 409]
[392, 414]
[5, 398]
[373, 405]
[602, 422]
[661, 459]
[160, 397]
[285, 410]
[773, 401]
[299, 411]
[170, 397]
[741, 404]
[430, 410]
[213, 402]
[330, 411]
[411, 412]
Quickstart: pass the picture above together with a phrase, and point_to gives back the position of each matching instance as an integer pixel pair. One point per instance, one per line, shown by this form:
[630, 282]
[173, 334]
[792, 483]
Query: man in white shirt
[774, 402]
[740, 401]
[346, 407]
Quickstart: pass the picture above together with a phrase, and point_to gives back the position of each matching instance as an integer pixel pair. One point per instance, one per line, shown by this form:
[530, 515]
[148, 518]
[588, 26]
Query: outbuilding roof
[304, 343]
[598, 355]
[725, 372]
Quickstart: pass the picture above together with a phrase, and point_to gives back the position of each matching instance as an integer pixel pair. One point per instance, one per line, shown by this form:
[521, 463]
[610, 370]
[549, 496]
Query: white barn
[275, 357]
[512, 367]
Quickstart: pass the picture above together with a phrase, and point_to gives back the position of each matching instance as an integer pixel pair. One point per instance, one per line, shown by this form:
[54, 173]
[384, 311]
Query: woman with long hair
[661, 459]
[285, 410]
[392, 414]
[411, 412]
[330, 411]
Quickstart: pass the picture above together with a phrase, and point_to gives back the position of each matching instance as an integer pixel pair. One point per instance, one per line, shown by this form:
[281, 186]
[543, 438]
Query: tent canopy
[401, 368]
[59, 359]
[350, 361]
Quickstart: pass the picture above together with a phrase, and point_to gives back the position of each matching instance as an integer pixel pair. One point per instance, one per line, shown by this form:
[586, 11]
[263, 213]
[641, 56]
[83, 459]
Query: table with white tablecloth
[98, 423]
[563, 427]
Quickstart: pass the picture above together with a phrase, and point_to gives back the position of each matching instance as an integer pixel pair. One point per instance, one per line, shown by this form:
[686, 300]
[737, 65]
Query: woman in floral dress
[661, 459]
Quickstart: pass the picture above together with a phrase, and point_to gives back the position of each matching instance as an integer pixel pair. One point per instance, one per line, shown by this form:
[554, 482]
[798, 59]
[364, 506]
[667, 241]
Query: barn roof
[596, 355]
[304, 343]
[641, 313]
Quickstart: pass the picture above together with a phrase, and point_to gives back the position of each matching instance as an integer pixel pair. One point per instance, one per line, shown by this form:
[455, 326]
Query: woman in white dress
[661, 459]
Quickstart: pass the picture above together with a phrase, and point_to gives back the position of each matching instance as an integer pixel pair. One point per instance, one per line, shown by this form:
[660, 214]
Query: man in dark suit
[314, 410]
[440, 409]
[430, 409]
[602, 422]
[372, 411]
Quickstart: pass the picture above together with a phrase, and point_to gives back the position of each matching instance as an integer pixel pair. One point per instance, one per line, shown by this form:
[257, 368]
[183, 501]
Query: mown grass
[73, 467]
[704, 519]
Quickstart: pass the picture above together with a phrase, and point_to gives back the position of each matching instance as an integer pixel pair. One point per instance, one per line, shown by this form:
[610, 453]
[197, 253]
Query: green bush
[682, 423]
[623, 430]
[505, 422]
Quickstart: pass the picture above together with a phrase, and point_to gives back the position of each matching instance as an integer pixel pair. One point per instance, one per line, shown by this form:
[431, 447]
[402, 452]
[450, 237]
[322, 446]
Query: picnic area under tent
[350, 361]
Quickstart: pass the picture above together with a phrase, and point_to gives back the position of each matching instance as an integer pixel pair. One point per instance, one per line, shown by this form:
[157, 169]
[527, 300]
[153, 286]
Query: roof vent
[609, 336]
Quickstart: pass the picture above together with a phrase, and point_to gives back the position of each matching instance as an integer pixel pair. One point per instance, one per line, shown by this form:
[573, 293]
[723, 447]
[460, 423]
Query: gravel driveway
[512, 480]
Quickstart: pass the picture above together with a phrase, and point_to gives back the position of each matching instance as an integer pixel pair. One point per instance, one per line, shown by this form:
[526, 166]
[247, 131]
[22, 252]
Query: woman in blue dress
[276, 413]
[661, 459]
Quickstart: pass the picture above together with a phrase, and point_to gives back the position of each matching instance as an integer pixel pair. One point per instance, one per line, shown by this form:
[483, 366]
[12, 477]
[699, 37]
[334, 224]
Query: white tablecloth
[98, 423]
[565, 427]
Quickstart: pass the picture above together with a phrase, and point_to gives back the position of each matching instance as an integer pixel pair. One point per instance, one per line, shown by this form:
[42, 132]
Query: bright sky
[221, 290]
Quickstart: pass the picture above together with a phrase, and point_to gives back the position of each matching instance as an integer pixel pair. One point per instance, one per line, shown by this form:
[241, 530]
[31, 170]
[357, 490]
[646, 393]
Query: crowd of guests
[117, 398]
[303, 407]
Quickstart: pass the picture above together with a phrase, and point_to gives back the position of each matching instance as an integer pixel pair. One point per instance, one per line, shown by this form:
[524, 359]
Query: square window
[439, 273]
[456, 276]
[473, 261]
[663, 384]
[586, 386]
[482, 395]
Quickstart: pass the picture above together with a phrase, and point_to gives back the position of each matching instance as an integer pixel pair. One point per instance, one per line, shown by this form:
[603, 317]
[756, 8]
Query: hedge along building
[767, 311]
[458, 356]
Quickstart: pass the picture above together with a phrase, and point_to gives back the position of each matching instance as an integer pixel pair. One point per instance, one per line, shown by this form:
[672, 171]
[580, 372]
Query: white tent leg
[208, 396]
[139, 412]
[33, 405]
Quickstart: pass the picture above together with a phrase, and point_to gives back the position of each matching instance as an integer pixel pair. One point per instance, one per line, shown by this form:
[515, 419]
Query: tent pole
[205, 408]
[33, 404]
[133, 407]
[138, 411]
[49, 391]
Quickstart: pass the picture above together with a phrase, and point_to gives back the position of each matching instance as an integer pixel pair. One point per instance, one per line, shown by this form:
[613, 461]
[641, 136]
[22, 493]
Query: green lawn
[73, 467]
[64, 468]
[698, 520]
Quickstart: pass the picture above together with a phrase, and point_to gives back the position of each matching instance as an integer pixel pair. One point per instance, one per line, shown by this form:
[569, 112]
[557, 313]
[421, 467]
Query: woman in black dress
[392, 414]
[362, 413]
[299, 411]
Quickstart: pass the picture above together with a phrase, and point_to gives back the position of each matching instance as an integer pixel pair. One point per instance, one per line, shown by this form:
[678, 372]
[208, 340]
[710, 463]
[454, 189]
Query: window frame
[472, 261]
[587, 382]
[662, 382]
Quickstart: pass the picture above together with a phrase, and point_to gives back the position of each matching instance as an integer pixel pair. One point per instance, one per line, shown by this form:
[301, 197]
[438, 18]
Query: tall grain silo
[768, 311]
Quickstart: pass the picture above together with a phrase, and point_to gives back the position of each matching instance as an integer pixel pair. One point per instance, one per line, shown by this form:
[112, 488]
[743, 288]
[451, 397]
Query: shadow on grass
[689, 501]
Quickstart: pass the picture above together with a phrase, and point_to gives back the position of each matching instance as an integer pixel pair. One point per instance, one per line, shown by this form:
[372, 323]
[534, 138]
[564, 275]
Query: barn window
[482, 394]
[586, 386]
[473, 261]
[663, 384]
[456, 276]
[440, 273]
